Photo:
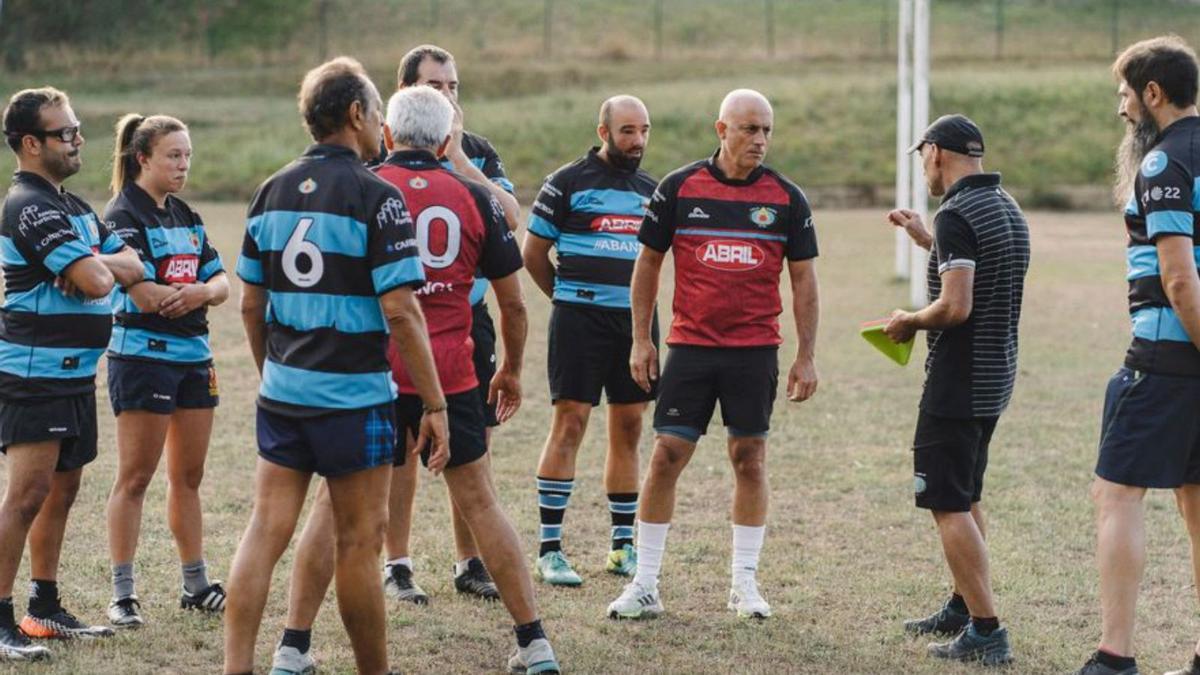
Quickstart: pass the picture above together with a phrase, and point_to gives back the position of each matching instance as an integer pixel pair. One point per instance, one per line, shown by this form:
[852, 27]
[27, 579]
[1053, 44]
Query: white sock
[651, 544]
[461, 566]
[406, 561]
[747, 542]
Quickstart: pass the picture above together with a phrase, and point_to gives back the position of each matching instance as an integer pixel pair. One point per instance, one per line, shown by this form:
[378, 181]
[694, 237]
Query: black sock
[985, 625]
[43, 597]
[1115, 662]
[7, 620]
[529, 632]
[301, 640]
[957, 603]
[1195, 663]
[622, 509]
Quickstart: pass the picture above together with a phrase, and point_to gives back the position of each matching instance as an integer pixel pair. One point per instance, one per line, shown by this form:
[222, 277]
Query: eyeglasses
[64, 134]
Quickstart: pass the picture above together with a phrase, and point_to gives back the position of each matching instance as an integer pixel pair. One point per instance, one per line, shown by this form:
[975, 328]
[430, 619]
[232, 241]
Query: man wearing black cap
[979, 252]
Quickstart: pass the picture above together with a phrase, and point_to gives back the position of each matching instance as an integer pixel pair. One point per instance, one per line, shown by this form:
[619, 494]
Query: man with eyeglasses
[60, 263]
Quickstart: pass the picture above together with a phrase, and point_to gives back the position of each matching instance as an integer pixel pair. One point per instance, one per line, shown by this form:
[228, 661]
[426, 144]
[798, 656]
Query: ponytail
[135, 134]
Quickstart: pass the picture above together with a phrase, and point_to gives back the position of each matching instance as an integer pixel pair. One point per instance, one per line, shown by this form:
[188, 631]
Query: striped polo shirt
[970, 368]
[1165, 202]
[729, 238]
[326, 237]
[592, 211]
[50, 343]
[174, 248]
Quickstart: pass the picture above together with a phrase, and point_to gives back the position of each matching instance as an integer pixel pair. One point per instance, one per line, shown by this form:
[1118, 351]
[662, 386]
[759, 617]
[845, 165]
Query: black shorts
[71, 419]
[949, 458]
[330, 445]
[483, 334]
[1150, 436]
[588, 351]
[743, 379]
[468, 428]
[160, 387]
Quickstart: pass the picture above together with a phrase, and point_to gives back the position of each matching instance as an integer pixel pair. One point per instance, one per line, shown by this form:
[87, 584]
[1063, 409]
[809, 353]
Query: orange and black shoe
[61, 625]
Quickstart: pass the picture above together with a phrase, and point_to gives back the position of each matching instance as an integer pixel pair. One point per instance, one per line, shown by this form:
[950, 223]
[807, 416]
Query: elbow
[958, 314]
[98, 284]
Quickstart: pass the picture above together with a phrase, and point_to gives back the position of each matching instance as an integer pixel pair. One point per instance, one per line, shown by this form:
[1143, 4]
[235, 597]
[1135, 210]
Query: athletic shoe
[538, 657]
[61, 625]
[1094, 667]
[291, 661]
[125, 613]
[211, 599]
[945, 621]
[554, 569]
[15, 646]
[476, 581]
[745, 599]
[398, 585]
[636, 602]
[990, 650]
[622, 562]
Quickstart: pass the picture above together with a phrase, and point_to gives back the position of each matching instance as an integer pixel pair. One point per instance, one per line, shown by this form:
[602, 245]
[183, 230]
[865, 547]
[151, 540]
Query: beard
[623, 161]
[1139, 139]
[62, 166]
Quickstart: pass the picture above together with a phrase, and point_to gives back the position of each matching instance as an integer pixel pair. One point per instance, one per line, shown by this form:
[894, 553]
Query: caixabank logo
[730, 255]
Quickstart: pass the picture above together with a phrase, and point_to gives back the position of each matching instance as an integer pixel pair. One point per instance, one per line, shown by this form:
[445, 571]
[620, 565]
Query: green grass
[847, 556]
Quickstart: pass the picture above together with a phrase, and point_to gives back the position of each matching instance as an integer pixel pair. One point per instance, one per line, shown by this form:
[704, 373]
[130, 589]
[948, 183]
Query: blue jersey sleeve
[1164, 189]
[550, 209]
[44, 235]
[392, 250]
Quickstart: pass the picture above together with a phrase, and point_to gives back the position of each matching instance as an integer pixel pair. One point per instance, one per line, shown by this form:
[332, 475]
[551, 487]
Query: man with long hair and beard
[1150, 435]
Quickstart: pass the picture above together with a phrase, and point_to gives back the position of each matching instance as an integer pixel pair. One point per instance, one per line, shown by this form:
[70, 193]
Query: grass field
[847, 556]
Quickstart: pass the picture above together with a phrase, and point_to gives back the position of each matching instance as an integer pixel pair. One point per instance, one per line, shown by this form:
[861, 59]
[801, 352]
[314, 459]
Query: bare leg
[46, 533]
[30, 472]
[278, 498]
[312, 568]
[187, 448]
[624, 432]
[400, 506]
[1188, 500]
[671, 455]
[1121, 556]
[140, 437]
[750, 492]
[966, 555]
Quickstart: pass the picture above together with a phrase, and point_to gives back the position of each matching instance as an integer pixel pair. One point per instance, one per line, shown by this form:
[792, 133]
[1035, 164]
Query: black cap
[956, 133]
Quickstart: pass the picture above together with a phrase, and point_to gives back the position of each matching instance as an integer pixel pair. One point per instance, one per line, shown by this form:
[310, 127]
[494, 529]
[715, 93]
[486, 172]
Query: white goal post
[912, 116]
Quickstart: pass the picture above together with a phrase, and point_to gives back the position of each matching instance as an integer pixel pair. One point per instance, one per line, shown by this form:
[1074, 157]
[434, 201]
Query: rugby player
[330, 264]
[161, 379]
[590, 211]
[1149, 436]
[473, 157]
[731, 223]
[979, 253]
[60, 264]
[460, 228]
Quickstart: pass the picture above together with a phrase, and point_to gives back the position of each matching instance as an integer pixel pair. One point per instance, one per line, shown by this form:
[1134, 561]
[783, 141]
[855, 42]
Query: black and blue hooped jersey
[325, 238]
[592, 211]
[49, 342]
[174, 248]
[1165, 203]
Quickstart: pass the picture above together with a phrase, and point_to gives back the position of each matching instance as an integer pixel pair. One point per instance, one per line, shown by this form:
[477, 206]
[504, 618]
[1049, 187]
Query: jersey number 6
[297, 246]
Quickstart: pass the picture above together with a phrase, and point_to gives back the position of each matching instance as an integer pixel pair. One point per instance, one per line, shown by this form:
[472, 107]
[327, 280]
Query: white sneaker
[291, 661]
[636, 602]
[538, 657]
[745, 599]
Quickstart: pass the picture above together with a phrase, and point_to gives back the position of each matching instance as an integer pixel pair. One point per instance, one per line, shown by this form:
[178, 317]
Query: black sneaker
[989, 650]
[398, 584]
[945, 621]
[61, 625]
[476, 581]
[15, 646]
[125, 613]
[211, 599]
[1094, 667]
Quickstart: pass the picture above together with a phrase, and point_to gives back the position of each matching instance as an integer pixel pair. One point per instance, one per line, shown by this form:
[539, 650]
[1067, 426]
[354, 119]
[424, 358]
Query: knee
[569, 426]
[27, 501]
[629, 429]
[135, 484]
[1109, 496]
[668, 460]
[749, 462]
[366, 534]
[189, 479]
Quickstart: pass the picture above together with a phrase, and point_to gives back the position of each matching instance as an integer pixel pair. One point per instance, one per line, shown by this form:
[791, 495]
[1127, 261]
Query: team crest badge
[308, 187]
[418, 183]
[195, 240]
[762, 216]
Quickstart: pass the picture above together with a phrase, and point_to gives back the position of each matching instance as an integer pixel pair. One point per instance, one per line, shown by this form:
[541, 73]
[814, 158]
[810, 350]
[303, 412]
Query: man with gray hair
[590, 210]
[733, 224]
[459, 227]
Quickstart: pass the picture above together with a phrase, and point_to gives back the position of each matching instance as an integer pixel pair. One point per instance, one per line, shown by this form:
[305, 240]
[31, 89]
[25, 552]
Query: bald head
[740, 102]
[624, 130]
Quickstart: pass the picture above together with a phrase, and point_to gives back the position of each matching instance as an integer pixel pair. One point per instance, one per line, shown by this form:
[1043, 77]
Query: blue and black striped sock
[553, 495]
[622, 507]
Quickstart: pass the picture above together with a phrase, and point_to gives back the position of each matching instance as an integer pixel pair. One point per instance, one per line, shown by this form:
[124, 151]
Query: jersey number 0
[425, 222]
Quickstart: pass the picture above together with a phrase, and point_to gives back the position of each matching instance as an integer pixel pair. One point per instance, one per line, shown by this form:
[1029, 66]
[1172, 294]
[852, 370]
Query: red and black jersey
[460, 227]
[729, 238]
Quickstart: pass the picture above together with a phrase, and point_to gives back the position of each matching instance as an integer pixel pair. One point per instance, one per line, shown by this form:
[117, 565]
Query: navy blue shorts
[160, 387]
[1150, 436]
[468, 427]
[483, 334]
[589, 352]
[694, 379]
[330, 445]
[70, 418]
